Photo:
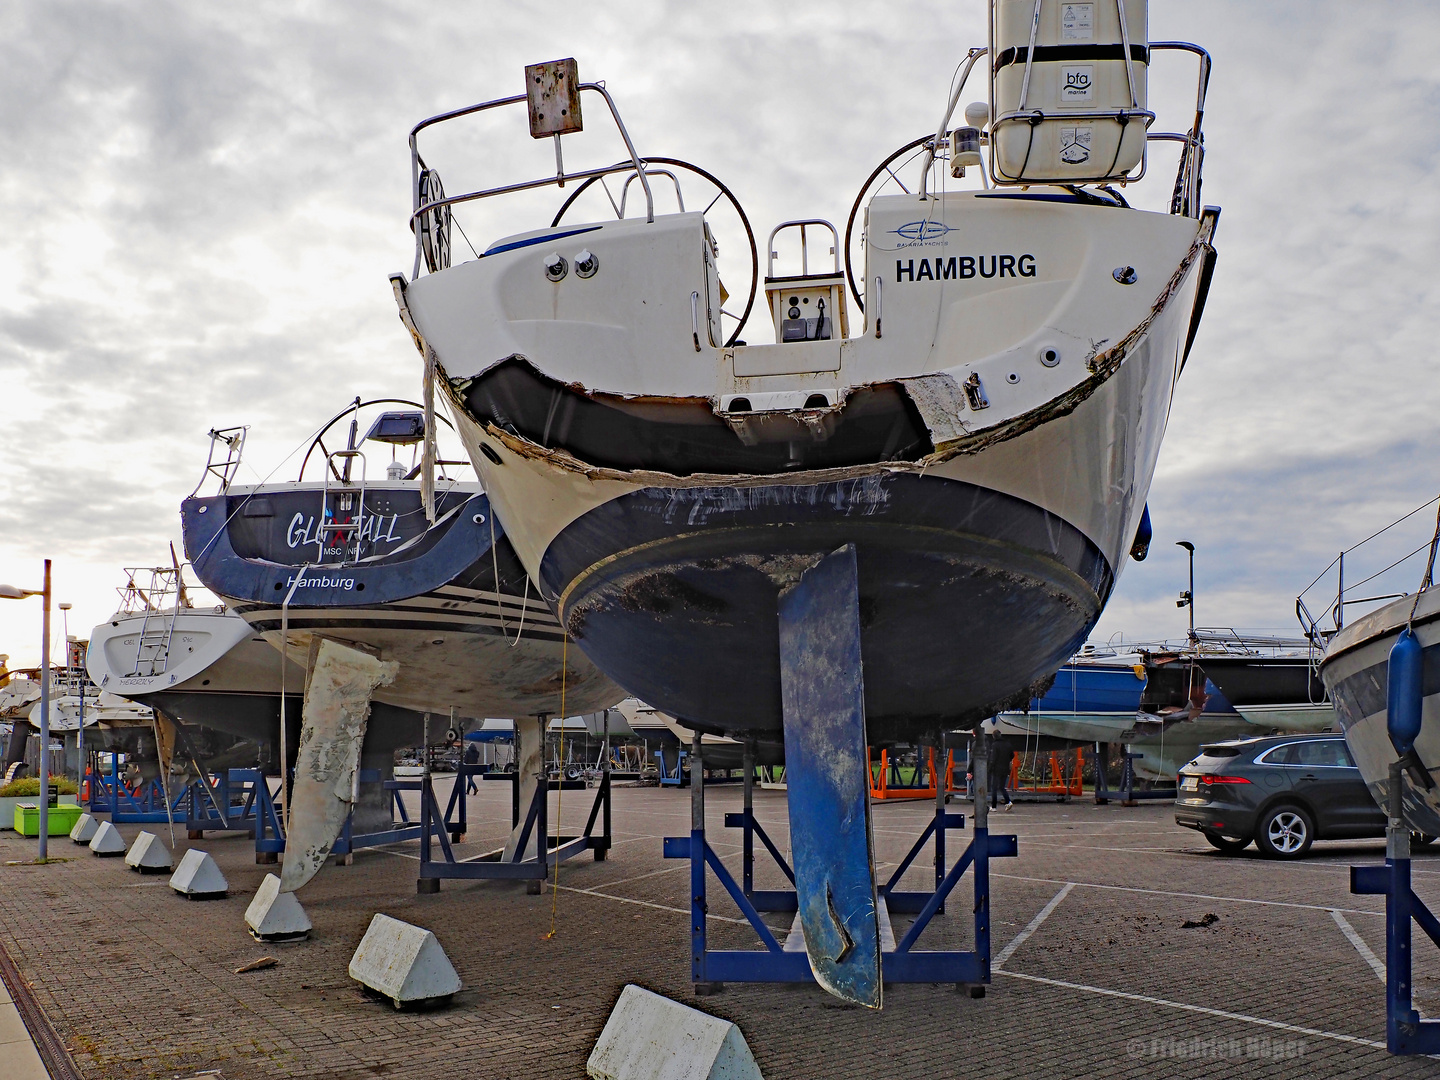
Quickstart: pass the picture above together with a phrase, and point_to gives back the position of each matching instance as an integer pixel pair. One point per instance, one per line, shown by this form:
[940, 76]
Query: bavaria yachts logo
[918, 232]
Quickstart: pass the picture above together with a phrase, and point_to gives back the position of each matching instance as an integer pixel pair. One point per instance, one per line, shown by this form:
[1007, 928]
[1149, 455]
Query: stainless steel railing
[438, 207]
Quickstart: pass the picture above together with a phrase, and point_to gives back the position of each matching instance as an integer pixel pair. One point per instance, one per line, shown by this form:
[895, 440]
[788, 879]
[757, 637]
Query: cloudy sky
[199, 205]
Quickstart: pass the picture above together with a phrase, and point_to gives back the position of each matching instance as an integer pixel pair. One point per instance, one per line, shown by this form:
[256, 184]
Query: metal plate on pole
[823, 697]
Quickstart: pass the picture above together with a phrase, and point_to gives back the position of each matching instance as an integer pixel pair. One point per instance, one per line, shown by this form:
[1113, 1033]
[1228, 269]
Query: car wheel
[1285, 832]
[1222, 844]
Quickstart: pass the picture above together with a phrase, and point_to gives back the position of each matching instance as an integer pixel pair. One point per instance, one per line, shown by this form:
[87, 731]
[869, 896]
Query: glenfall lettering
[302, 530]
[964, 267]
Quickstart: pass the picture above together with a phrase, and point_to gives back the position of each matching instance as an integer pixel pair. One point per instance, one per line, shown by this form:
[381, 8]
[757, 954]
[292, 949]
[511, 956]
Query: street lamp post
[80, 683]
[10, 592]
[1187, 598]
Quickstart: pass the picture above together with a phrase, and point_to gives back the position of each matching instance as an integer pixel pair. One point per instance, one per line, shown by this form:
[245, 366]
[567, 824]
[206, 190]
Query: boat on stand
[939, 462]
[1354, 660]
[391, 599]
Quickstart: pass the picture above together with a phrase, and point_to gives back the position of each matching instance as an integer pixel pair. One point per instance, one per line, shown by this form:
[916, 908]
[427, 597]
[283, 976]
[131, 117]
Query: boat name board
[321, 583]
[964, 267]
[302, 530]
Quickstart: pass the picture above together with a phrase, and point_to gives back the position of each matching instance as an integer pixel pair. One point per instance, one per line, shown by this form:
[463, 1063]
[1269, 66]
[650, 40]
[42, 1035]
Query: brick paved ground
[140, 982]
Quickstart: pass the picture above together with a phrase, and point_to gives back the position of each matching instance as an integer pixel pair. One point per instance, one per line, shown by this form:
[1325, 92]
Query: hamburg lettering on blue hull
[322, 583]
[963, 267]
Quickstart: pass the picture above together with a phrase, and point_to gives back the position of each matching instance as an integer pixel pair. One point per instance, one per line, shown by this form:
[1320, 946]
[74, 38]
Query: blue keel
[823, 700]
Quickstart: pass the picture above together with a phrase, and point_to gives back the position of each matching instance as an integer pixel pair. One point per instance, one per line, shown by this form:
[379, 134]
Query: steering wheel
[353, 409]
[725, 191]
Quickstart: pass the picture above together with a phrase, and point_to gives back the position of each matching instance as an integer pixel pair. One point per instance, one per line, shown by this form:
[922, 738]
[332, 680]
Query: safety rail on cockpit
[223, 467]
[430, 216]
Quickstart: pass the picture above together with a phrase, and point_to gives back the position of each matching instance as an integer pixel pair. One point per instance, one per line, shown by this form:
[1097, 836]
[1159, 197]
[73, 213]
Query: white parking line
[1220, 1013]
[1191, 895]
[1360, 946]
[647, 903]
[640, 877]
[1031, 927]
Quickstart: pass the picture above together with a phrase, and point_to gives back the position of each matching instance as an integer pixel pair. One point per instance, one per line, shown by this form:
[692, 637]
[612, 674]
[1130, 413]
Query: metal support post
[1401, 1019]
[1405, 1031]
[43, 852]
[602, 852]
[747, 842]
[698, 908]
[980, 767]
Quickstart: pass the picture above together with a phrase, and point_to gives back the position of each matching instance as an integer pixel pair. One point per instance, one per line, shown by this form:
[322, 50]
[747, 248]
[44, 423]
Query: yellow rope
[560, 792]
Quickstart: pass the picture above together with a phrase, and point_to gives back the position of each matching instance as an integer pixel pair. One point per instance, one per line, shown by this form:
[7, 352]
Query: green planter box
[61, 819]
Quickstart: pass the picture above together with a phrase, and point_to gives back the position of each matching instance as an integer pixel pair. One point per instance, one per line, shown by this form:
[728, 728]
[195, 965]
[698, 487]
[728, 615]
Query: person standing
[1001, 757]
[472, 757]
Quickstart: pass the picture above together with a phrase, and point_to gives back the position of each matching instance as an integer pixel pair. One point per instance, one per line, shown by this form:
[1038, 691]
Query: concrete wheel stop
[149, 855]
[649, 1037]
[404, 963]
[85, 829]
[198, 878]
[107, 841]
[276, 916]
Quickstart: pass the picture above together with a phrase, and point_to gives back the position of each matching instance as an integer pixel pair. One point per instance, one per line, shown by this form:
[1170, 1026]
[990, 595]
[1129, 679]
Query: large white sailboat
[975, 438]
[986, 435]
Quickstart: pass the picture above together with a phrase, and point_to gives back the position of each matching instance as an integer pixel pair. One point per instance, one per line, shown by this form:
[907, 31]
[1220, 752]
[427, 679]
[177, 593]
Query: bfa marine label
[1075, 143]
[1077, 83]
[964, 267]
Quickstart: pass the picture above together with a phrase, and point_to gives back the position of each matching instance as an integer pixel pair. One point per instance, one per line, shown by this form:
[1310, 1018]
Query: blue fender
[1405, 691]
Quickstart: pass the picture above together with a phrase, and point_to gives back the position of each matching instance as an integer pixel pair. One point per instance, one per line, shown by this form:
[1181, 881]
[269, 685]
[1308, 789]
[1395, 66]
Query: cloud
[199, 205]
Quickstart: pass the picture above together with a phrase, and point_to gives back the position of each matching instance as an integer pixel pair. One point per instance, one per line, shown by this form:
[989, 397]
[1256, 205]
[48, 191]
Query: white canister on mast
[1067, 89]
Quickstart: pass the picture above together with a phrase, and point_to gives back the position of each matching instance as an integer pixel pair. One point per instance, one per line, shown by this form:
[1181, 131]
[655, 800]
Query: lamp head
[65, 605]
[1186, 545]
[10, 592]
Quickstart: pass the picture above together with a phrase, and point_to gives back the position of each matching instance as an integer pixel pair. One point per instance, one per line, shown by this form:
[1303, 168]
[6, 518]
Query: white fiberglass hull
[1355, 672]
[983, 560]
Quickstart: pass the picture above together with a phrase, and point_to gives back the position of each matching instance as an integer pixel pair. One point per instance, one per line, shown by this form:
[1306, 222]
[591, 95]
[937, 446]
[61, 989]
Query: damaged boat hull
[980, 573]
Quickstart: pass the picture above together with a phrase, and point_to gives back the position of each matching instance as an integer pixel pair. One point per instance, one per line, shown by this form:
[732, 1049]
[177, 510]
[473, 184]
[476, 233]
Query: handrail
[1310, 624]
[801, 223]
[234, 440]
[416, 164]
[625, 191]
